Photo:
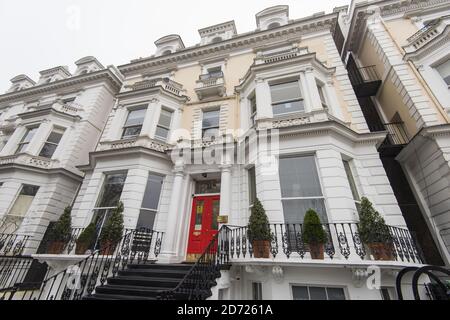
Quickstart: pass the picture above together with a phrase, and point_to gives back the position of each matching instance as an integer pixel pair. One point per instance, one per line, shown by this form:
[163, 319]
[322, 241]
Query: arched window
[216, 39]
[273, 25]
[84, 71]
[165, 53]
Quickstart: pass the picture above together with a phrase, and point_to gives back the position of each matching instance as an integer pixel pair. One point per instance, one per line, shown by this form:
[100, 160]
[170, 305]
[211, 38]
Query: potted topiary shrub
[60, 233]
[259, 231]
[374, 232]
[86, 239]
[112, 231]
[314, 235]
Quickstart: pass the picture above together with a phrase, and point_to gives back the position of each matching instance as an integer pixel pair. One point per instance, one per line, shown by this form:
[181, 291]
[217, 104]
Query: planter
[261, 249]
[56, 247]
[107, 248]
[316, 250]
[381, 251]
[81, 248]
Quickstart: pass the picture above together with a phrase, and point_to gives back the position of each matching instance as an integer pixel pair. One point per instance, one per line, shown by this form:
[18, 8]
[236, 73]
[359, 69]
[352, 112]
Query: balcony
[397, 135]
[29, 160]
[365, 80]
[425, 35]
[210, 85]
[142, 141]
[343, 245]
[165, 83]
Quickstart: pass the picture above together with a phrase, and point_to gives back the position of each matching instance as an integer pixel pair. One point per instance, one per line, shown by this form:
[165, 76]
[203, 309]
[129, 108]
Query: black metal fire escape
[366, 83]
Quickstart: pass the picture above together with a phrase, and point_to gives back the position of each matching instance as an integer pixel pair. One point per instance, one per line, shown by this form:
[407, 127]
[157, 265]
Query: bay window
[23, 144]
[150, 202]
[51, 144]
[163, 127]
[135, 120]
[286, 98]
[300, 188]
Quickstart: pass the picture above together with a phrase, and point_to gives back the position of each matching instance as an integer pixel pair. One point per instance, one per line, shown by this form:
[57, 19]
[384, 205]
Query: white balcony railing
[143, 141]
[29, 160]
[165, 83]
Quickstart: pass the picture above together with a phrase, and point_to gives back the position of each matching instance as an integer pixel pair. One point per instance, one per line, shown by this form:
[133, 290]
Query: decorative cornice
[243, 41]
[431, 46]
[48, 88]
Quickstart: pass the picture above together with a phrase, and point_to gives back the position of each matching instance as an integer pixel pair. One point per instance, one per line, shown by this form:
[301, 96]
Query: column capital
[225, 167]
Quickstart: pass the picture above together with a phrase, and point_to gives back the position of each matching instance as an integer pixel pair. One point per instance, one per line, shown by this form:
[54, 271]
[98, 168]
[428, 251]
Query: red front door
[204, 226]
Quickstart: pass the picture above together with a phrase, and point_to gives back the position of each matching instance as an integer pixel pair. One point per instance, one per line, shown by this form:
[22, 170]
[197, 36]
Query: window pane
[385, 294]
[285, 91]
[211, 119]
[165, 118]
[294, 210]
[299, 178]
[132, 132]
[146, 219]
[209, 186]
[252, 185]
[199, 215]
[161, 133]
[136, 117]
[257, 290]
[152, 192]
[211, 133]
[215, 214]
[112, 190]
[29, 190]
[317, 293]
[22, 147]
[336, 294]
[48, 150]
[349, 174]
[296, 106]
[300, 293]
[55, 137]
[29, 135]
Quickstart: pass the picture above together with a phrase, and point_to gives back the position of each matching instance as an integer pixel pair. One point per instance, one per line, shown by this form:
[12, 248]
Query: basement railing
[80, 280]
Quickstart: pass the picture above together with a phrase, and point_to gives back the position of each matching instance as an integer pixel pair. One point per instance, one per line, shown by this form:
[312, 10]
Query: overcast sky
[41, 34]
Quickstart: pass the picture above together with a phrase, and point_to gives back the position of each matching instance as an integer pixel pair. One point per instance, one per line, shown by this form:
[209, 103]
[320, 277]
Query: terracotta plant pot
[81, 248]
[261, 249]
[316, 250]
[381, 251]
[56, 247]
[107, 248]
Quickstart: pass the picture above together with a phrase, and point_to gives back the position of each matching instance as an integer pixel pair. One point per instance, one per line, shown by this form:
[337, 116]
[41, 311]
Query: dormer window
[286, 98]
[48, 80]
[84, 71]
[133, 125]
[217, 39]
[167, 52]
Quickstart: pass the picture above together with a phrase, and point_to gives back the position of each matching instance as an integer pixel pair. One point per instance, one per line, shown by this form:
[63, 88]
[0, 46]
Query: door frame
[189, 257]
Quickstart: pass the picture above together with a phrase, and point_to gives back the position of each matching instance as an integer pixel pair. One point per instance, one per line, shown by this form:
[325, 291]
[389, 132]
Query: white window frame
[326, 286]
[204, 129]
[300, 99]
[159, 125]
[21, 143]
[59, 130]
[295, 155]
[130, 109]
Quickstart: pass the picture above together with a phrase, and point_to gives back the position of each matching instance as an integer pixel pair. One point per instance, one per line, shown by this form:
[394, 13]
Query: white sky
[41, 34]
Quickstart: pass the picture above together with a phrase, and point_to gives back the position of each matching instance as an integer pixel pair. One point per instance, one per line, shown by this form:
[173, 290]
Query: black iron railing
[397, 134]
[201, 278]
[13, 270]
[68, 245]
[363, 75]
[12, 244]
[343, 239]
[80, 280]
